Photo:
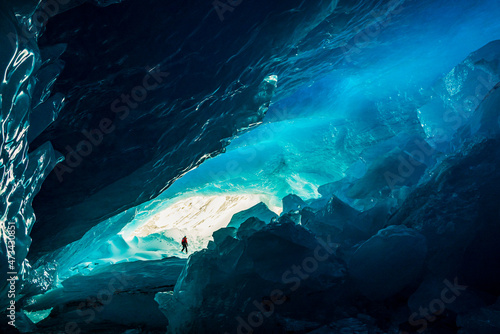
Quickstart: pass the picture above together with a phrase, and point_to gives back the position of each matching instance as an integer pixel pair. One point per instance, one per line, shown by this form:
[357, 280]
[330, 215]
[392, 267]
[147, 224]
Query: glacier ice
[292, 202]
[109, 294]
[259, 211]
[454, 99]
[22, 171]
[249, 227]
[388, 262]
[247, 265]
[192, 114]
[333, 165]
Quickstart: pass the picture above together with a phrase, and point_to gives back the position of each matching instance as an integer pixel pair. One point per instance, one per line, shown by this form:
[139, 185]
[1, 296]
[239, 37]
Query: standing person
[184, 244]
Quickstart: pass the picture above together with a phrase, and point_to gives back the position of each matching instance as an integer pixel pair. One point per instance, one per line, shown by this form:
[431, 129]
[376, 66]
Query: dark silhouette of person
[184, 244]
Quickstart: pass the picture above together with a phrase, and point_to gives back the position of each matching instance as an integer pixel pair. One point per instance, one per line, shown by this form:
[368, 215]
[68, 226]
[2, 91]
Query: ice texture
[199, 105]
[388, 262]
[259, 211]
[455, 97]
[244, 267]
[22, 171]
[110, 298]
[334, 166]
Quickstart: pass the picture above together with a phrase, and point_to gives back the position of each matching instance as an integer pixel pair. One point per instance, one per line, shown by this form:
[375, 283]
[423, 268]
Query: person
[184, 244]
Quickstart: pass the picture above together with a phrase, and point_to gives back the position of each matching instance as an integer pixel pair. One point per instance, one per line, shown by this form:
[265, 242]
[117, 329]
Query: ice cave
[238, 167]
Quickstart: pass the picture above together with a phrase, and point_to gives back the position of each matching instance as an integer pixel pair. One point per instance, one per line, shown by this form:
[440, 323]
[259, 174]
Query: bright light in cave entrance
[196, 217]
[158, 233]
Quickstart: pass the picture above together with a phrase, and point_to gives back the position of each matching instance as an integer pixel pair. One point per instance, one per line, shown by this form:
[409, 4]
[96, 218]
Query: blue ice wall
[355, 110]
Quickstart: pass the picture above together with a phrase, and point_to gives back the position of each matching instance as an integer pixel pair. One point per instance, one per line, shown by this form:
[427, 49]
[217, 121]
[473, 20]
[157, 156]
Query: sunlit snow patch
[195, 217]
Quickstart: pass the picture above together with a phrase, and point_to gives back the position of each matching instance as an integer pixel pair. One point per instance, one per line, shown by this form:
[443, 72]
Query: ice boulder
[224, 288]
[345, 224]
[221, 234]
[106, 299]
[260, 211]
[337, 213]
[332, 219]
[388, 262]
[292, 202]
[249, 227]
[438, 292]
[457, 211]
[481, 321]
